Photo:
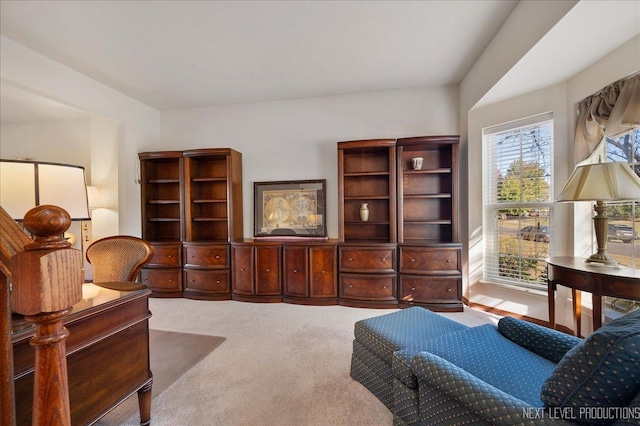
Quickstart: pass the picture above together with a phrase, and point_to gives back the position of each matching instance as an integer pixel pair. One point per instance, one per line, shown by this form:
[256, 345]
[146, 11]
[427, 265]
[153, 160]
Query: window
[518, 201]
[624, 217]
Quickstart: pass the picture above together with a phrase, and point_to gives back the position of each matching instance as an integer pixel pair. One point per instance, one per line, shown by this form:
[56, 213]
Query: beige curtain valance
[613, 111]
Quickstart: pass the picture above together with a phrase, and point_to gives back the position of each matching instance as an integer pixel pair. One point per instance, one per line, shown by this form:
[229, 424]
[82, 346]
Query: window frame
[492, 206]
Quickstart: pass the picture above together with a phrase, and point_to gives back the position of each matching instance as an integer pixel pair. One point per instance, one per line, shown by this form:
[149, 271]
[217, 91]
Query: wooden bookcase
[191, 211]
[367, 249]
[367, 174]
[430, 271]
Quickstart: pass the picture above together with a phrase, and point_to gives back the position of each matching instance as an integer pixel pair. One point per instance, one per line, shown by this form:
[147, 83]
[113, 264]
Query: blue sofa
[429, 370]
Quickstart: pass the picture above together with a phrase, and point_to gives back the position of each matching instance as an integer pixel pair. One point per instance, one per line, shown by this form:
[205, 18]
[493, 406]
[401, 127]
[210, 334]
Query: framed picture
[290, 208]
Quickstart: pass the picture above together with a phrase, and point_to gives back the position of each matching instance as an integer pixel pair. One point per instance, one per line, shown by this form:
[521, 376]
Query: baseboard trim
[504, 313]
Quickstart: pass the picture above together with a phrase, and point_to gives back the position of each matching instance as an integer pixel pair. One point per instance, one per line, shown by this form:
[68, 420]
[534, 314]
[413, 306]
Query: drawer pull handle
[217, 256]
[448, 260]
[193, 281]
[449, 290]
[217, 281]
[170, 281]
[241, 269]
[295, 271]
[413, 289]
[169, 256]
[323, 272]
[413, 260]
[350, 258]
[268, 270]
[350, 285]
[384, 259]
[384, 286]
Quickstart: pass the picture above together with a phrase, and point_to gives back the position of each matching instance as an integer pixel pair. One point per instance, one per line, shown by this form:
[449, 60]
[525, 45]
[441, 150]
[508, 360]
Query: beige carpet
[280, 365]
[171, 355]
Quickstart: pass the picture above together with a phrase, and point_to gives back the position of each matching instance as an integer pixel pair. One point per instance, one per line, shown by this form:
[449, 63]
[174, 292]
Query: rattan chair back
[118, 258]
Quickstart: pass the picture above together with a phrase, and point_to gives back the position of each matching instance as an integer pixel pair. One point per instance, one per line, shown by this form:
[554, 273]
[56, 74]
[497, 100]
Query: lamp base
[603, 259]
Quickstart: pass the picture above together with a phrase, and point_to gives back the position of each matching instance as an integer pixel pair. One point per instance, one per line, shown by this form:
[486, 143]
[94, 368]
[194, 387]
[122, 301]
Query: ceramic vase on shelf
[364, 212]
[416, 162]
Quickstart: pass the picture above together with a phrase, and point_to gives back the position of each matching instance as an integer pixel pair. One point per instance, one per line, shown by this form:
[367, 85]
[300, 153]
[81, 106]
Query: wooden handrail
[46, 281]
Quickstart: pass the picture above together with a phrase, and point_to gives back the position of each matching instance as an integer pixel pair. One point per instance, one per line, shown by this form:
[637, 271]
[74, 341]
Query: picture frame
[290, 209]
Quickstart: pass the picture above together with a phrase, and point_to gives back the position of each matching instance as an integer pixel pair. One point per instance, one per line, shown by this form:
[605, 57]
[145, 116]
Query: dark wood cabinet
[256, 272]
[206, 271]
[193, 199]
[430, 276]
[163, 273]
[430, 270]
[412, 220]
[302, 272]
[367, 259]
[310, 273]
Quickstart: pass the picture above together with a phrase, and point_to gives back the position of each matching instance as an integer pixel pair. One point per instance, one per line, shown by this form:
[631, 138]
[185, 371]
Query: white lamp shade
[613, 181]
[17, 183]
[27, 184]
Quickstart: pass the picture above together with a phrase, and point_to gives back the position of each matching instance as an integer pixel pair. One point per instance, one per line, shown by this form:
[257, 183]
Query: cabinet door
[423, 289]
[162, 280]
[294, 266]
[206, 281]
[209, 256]
[165, 255]
[242, 257]
[267, 271]
[323, 282]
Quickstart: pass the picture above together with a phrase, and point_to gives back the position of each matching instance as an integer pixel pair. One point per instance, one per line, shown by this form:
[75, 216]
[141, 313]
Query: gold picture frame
[290, 209]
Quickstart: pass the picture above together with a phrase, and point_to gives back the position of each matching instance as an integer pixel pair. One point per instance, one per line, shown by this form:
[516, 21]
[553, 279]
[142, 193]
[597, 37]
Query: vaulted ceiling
[184, 54]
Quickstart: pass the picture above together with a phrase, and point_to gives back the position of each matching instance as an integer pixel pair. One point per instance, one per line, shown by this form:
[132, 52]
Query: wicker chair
[117, 260]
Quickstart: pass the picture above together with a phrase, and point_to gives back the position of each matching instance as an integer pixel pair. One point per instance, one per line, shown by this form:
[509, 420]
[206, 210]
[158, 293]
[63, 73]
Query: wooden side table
[600, 281]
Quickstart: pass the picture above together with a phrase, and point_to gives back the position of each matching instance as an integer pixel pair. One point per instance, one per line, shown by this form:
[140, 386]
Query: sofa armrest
[485, 401]
[546, 342]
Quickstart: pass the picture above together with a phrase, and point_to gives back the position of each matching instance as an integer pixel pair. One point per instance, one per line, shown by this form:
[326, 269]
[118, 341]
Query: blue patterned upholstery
[602, 371]
[385, 334]
[376, 340]
[541, 340]
[429, 370]
[499, 362]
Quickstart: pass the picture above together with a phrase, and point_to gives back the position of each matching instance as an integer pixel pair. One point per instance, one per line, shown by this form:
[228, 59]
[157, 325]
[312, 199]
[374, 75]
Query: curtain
[613, 111]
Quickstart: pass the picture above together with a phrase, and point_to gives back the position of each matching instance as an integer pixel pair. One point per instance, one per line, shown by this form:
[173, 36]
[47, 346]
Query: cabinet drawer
[429, 289]
[211, 281]
[368, 287]
[162, 279]
[417, 259]
[165, 255]
[367, 259]
[206, 256]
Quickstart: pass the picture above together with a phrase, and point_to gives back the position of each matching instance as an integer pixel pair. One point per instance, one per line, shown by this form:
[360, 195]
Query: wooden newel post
[47, 280]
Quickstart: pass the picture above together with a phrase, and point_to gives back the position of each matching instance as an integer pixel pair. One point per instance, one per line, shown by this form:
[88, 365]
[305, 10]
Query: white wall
[54, 141]
[293, 140]
[139, 124]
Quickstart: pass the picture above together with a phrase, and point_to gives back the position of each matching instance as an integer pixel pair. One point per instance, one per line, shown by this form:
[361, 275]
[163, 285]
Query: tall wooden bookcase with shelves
[428, 245]
[367, 248]
[190, 205]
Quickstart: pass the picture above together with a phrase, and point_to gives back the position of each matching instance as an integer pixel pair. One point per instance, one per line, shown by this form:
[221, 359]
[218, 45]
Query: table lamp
[612, 181]
[25, 184]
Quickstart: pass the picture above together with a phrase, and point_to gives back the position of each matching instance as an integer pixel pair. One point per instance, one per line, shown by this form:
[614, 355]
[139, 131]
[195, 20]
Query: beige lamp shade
[27, 184]
[614, 181]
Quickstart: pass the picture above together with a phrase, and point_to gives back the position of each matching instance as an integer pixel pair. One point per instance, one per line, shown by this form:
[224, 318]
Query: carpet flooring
[280, 365]
[171, 355]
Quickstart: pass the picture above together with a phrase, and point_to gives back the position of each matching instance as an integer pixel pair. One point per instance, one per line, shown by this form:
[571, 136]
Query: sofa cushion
[546, 342]
[486, 354]
[601, 371]
[385, 334]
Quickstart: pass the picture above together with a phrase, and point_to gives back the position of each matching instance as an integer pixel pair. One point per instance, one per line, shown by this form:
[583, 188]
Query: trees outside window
[624, 217]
